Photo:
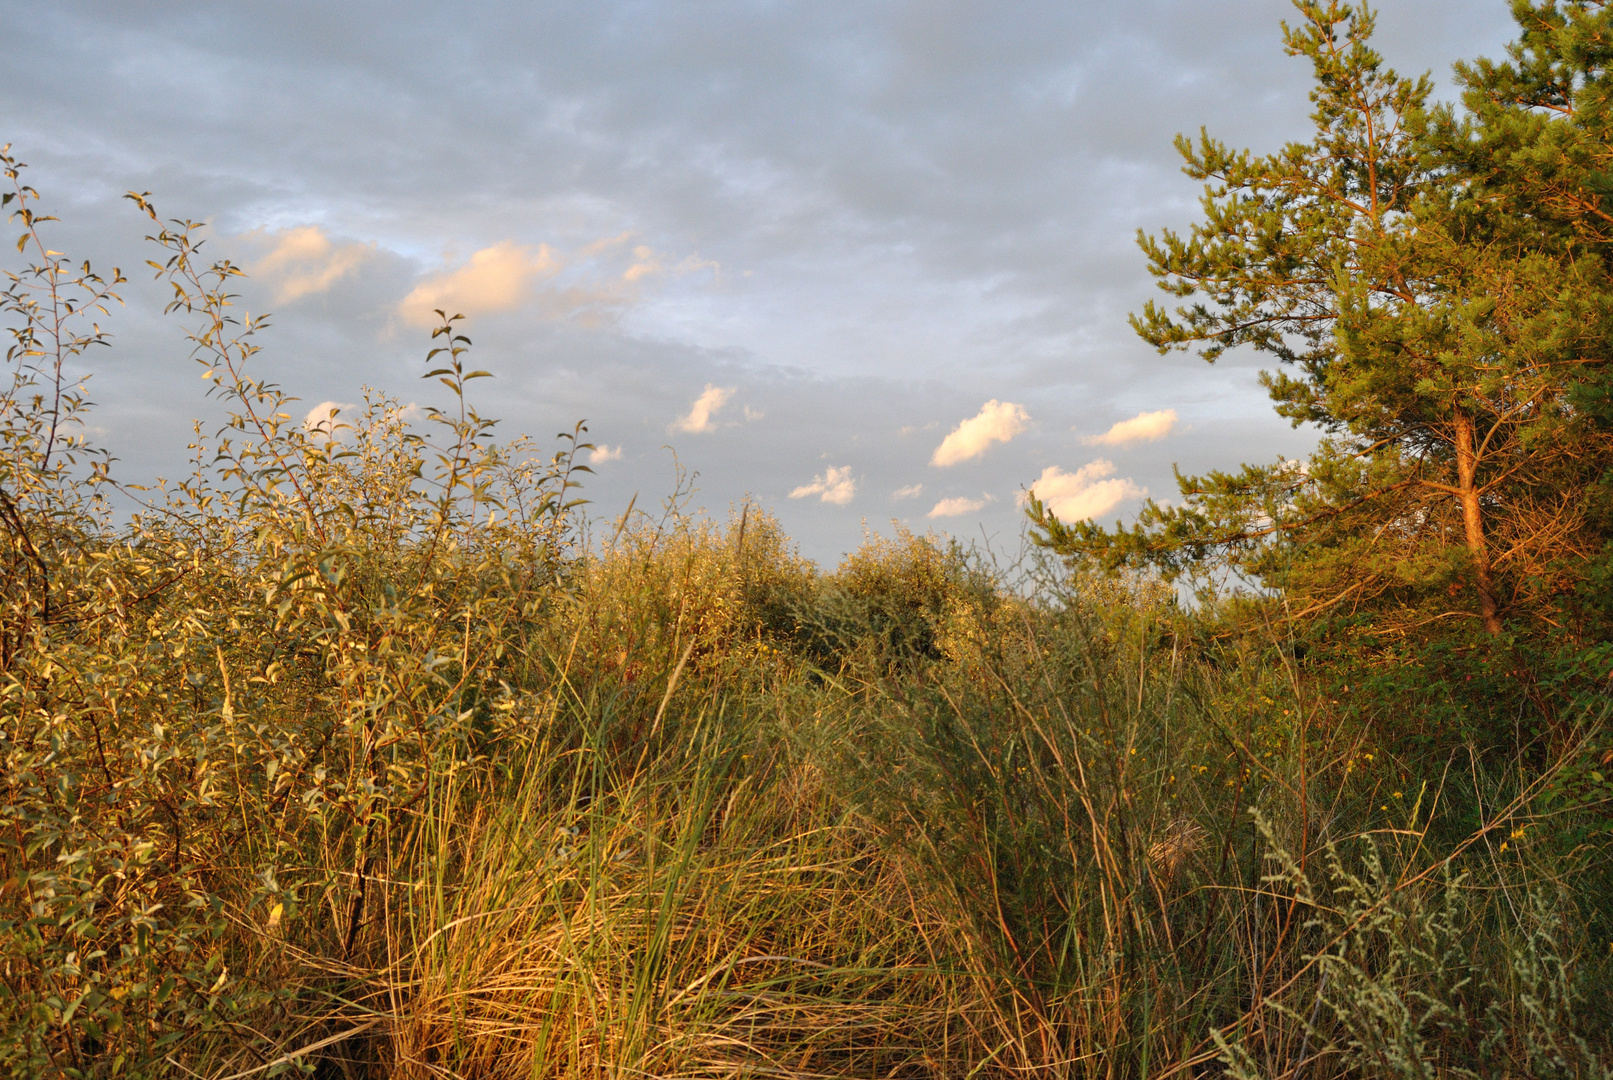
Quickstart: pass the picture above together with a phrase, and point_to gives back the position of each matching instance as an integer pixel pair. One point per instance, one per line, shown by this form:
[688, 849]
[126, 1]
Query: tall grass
[1056, 839]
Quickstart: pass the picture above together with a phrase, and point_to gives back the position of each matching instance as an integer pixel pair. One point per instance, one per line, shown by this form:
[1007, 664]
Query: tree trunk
[1467, 467]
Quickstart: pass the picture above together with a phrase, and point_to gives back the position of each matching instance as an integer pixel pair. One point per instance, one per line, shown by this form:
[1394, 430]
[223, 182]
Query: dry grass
[694, 930]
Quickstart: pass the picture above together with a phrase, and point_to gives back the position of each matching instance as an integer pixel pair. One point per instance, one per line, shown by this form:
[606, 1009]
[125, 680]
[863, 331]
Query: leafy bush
[901, 597]
[217, 713]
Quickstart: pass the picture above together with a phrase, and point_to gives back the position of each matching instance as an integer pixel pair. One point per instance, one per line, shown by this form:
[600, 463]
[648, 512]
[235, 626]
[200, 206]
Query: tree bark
[1467, 467]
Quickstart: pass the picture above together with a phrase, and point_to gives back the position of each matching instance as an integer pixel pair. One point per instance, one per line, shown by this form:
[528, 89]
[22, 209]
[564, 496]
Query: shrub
[217, 713]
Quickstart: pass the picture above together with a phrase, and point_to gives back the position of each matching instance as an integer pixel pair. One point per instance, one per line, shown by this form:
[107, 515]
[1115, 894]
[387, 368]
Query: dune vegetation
[366, 750]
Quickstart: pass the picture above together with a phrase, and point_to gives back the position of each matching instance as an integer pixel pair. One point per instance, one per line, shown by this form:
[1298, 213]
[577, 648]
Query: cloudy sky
[863, 260]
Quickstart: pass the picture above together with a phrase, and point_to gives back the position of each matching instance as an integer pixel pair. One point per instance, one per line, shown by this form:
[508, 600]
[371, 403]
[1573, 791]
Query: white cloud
[702, 415]
[496, 278]
[645, 262]
[593, 284]
[997, 421]
[1084, 493]
[835, 486]
[607, 243]
[329, 419]
[1144, 427]
[603, 453]
[303, 261]
[956, 506]
[693, 263]
[911, 491]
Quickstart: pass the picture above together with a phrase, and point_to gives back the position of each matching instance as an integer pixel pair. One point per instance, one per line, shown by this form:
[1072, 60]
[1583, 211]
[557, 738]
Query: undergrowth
[351, 754]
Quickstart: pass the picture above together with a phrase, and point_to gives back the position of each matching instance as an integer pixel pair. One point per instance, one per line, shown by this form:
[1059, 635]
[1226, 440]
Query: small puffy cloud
[643, 260]
[303, 261]
[1089, 491]
[496, 278]
[955, 507]
[1144, 427]
[702, 415]
[593, 284]
[997, 421]
[603, 453]
[911, 491]
[694, 263]
[327, 420]
[607, 243]
[835, 486]
[645, 263]
[338, 420]
[753, 415]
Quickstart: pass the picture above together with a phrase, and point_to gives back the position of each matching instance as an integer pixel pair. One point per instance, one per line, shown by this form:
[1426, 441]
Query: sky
[864, 261]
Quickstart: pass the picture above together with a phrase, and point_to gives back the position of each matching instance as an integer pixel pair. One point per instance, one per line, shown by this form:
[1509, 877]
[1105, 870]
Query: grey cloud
[915, 207]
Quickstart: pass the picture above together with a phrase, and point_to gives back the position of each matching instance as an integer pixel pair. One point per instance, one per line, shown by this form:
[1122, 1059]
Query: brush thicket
[355, 754]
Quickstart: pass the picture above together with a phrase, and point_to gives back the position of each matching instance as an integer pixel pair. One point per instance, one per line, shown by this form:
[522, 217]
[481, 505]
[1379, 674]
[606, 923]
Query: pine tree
[1435, 287]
